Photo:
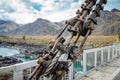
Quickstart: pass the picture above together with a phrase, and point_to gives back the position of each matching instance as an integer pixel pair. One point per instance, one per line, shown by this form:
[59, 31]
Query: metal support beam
[109, 54]
[95, 58]
[102, 56]
[71, 73]
[113, 52]
[84, 64]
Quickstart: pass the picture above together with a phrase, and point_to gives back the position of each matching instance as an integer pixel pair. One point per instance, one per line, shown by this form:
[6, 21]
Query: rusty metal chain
[86, 10]
[81, 25]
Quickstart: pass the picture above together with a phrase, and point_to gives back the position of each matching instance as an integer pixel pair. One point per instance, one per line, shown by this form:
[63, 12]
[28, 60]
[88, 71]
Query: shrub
[118, 37]
[3, 36]
[24, 37]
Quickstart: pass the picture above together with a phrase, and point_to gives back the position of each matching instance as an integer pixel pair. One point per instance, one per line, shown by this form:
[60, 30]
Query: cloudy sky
[26, 11]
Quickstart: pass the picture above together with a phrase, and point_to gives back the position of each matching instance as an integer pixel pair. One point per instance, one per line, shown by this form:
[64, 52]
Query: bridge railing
[92, 59]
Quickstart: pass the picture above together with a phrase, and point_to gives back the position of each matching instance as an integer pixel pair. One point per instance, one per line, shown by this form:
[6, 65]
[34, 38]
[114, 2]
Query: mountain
[61, 24]
[7, 26]
[112, 29]
[38, 27]
[115, 10]
[3, 22]
[108, 23]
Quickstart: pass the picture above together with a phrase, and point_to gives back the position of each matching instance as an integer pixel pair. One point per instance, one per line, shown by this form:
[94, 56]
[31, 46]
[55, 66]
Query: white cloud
[49, 5]
[2, 11]
[18, 5]
[38, 1]
[22, 17]
[60, 15]
[50, 10]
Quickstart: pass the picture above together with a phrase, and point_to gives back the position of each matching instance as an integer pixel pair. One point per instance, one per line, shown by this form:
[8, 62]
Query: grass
[38, 40]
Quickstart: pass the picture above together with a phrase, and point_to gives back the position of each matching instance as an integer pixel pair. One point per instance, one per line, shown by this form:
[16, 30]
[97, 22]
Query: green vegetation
[24, 37]
[118, 37]
[3, 36]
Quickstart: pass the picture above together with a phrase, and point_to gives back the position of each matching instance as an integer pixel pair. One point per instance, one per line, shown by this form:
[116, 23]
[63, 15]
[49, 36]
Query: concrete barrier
[116, 75]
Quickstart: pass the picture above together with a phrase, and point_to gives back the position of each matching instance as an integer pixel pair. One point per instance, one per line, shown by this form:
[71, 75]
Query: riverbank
[25, 52]
[8, 60]
[31, 47]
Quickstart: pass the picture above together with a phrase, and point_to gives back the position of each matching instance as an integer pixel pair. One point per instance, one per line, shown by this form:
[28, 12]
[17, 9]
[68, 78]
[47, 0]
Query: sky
[27, 11]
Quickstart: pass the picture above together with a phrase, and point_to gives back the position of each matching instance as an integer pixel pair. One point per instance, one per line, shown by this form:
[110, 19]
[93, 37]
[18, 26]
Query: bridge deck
[106, 72]
[102, 56]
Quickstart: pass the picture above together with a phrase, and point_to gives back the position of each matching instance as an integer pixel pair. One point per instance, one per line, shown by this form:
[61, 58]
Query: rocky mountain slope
[38, 27]
[116, 11]
[7, 26]
[108, 24]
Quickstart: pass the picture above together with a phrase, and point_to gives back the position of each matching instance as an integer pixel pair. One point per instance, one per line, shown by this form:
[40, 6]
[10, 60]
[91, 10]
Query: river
[12, 51]
[8, 51]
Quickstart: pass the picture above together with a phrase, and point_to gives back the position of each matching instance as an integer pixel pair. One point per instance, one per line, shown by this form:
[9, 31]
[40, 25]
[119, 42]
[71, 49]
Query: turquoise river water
[9, 52]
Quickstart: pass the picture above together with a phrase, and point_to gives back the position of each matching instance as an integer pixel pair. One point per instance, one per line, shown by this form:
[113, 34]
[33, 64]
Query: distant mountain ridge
[108, 24]
[115, 10]
[38, 27]
[7, 26]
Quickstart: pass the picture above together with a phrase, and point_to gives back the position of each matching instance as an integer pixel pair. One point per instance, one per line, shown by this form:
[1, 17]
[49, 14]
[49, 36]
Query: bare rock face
[108, 23]
[6, 61]
[38, 27]
[7, 26]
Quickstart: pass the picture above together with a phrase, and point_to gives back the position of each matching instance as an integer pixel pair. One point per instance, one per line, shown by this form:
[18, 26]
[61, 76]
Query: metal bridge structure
[59, 62]
[98, 57]
[54, 63]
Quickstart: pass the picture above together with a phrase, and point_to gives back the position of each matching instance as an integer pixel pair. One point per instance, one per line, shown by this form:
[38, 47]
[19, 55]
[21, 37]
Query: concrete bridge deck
[106, 72]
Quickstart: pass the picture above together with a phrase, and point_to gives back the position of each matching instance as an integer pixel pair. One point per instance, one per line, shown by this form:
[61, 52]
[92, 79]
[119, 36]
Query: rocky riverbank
[30, 51]
[27, 50]
[6, 61]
